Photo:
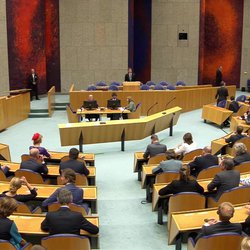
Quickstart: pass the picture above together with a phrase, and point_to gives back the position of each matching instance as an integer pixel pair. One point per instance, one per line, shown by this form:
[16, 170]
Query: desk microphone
[169, 102]
[151, 107]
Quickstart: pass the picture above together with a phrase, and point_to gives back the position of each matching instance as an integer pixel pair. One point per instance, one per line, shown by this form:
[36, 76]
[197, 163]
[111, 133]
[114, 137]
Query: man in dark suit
[154, 148]
[34, 163]
[226, 179]
[130, 76]
[114, 116]
[212, 226]
[33, 82]
[233, 106]
[204, 161]
[218, 77]
[68, 178]
[65, 221]
[235, 136]
[241, 153]
[74, 164]
[222, 93]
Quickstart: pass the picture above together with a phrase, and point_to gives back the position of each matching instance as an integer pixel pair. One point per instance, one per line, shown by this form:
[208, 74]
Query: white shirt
[185, 148]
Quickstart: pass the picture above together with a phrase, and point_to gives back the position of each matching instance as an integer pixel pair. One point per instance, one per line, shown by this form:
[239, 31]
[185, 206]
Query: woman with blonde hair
[131, 107]
[37, 140]
[15, 184]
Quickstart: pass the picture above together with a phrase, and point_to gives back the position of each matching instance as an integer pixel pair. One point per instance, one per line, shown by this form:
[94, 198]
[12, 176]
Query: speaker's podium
[131, 86]
[117, 130]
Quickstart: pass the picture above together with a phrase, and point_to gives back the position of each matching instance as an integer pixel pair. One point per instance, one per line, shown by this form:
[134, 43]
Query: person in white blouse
[187, 145]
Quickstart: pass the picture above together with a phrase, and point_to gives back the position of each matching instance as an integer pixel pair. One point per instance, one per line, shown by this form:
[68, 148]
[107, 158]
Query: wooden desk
[120, 130]
[215, 114]
[53, 170]
[131, 86]
[57, 156]
[138, 162]
[31, 225]
[220, 143]
[190, 221]
[44, 191]
[5, 151]
[235, 121]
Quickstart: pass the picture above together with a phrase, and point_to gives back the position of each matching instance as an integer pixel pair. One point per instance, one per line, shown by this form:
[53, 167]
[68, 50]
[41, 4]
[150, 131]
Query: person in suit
[154, 148]
[237, 135]
[68, 178]
[33, 84]
[233, 106]
[204, 161]
[223, 225]
[37, 140]
[241, 153]
[187, 145]
[78, 166]
[65, 221]
[171, 164]
[218, 77]
[184, 184]
[90, 117]
[130, 76]
[34, 163]
[222, 93]
[8, 228]
[226, 179]
[114, 116]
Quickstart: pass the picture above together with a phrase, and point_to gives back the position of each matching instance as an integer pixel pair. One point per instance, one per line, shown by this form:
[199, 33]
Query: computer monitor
[114, 104]
[90, 104]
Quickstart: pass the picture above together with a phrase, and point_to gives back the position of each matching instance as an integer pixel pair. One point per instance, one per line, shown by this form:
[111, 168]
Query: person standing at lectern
[218, 78]
[130, 76]
[33, 82]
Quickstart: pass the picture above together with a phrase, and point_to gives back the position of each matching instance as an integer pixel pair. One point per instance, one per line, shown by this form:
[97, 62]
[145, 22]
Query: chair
[81, 180]
[115, 83]
[236, 196]
[144, 87]
[222, 104]
[73, 207]
[72, 116]
[91, 88]
[157, 159]
[24, 209]
[113, 88]
[6, 245]
[243, 167]
[171, 87]
[159, 87]
[137, 113]
[165, 84]
[25, 157]
[3, 176]
[208, 173]
[222, 241]
[101, 84]
[32, 177]
[66, 242]
[150, 83]
[167, 177]
[66, 158]
[241, 98]
[180, 83]
[190, 155]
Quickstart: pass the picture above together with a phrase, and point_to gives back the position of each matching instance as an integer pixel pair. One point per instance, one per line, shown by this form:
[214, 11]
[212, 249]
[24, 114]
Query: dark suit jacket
[77, 166]
[30, 79]
[35, 166]
[222, 94]
[127, 78]
[234, 106]
[154, 149]
[65, 221]
[220, 227]
[218, 78]
[223, 181]
[241, 158]
[178, 186]
[202, 162]
[233, 138]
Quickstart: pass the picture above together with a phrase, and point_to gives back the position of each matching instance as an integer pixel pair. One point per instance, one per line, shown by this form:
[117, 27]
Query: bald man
[33, 82]
[34, 163]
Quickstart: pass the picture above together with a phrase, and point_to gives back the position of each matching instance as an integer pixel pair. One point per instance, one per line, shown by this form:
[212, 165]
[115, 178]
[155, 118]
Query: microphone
[151, 107]
[169, 102]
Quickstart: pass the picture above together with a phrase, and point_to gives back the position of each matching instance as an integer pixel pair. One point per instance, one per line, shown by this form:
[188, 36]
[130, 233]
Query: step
[38, 115]
[34, 111]
[60, 108]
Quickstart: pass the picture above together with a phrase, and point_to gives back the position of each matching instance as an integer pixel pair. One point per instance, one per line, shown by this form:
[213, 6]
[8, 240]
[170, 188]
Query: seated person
[187, 145]
[68, 178]
[241, 153]
[245, 244]
[5, 169]
[37, 140]
[131, 107]
[223, 225]
[184, 184]
[8, 228]
[78, 166]
[204, 161]
[114, 103]
[91, 117]
[154, 148]
[233, 106]
[235, 136]
[227, 179]
[15, 184]
[171, 164]
[65, 221]
[130, 76]
[34, 163]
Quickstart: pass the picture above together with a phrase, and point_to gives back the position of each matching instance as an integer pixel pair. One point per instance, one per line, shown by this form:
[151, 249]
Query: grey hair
[240, 148]
[64, 197]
